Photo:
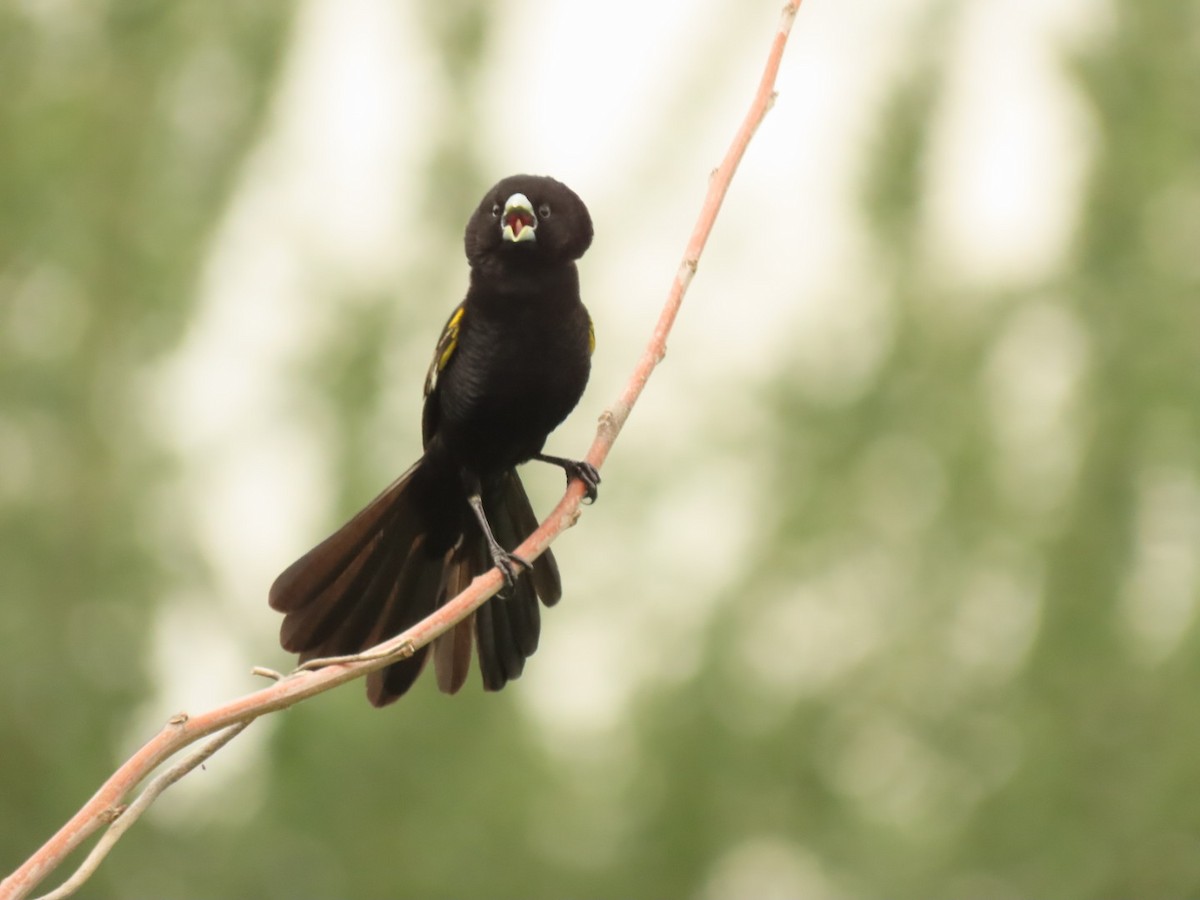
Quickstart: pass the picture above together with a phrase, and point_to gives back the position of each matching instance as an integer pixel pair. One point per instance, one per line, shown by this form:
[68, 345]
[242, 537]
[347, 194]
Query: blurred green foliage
[951, 668]
[121, 124]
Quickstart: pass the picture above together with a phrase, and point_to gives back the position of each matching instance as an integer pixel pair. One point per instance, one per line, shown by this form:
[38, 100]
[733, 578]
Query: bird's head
[528, 220]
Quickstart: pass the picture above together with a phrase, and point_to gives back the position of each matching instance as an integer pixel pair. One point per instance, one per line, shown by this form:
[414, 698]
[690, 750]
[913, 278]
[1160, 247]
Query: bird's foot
[510, 566]
[585, 472]
[577, 468]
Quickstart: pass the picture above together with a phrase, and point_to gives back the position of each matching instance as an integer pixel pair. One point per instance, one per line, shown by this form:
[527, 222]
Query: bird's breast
[515, 376]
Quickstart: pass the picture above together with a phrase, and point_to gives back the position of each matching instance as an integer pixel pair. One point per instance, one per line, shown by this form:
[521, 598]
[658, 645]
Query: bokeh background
[891, 589]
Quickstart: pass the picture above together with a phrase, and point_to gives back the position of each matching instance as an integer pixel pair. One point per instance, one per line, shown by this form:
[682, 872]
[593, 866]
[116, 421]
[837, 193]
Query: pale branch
[125, 817]
[106, 807]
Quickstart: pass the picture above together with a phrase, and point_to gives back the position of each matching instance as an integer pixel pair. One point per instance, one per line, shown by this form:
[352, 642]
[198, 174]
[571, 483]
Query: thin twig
[125, 818]
[105, 807]
[718, 186]
[391, 654]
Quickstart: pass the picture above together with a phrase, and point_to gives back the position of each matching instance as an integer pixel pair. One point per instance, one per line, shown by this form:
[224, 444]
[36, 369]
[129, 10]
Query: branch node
[180, 718]
[609, 424]
[110, 815]
[267, 673]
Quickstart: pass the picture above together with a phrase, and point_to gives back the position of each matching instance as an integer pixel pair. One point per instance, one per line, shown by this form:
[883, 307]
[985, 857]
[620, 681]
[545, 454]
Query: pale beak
[518, 223]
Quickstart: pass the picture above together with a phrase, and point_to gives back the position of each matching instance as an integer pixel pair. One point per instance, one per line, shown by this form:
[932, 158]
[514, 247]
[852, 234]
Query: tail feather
[452, 650]
[507, 628]
[524, 618]
[521, 609]
[334, 593]
[353, 613]
[490, 667]
[412, 548]
[414, 595]
[452, 656]
[305, 579]
[323, 626]
[504, 613]
[524, 522]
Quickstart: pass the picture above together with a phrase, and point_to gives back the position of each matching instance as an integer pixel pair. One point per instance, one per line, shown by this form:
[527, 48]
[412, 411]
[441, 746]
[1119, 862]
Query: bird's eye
[544, 211]
[496, 210]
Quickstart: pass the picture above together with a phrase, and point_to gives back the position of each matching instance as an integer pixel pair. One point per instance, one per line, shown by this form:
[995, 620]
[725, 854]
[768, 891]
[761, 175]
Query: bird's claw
[576, 468]
[510, 566]
[587, 473]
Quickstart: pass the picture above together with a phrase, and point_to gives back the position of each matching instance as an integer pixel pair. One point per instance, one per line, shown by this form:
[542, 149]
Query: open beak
[518, 223]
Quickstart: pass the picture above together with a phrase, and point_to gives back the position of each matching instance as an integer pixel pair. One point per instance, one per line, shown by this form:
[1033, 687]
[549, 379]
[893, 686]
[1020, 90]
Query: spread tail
[408, 551]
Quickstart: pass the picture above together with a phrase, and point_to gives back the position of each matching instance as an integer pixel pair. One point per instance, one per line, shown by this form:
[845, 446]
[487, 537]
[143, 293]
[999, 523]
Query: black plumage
[512, 362]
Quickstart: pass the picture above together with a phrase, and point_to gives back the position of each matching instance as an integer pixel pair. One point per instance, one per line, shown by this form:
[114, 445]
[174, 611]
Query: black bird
[511, 363]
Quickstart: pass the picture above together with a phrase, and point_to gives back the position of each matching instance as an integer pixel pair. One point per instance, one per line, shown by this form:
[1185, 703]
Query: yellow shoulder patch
[591, 336]
[446, 346]
[449, 339]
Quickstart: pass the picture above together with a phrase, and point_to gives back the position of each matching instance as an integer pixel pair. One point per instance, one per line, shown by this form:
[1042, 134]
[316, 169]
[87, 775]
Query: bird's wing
[446, 346]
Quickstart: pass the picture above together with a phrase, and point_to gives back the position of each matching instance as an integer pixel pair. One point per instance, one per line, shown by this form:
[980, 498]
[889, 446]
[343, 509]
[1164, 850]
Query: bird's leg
[509, 564]
[576, 468]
